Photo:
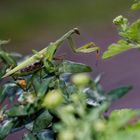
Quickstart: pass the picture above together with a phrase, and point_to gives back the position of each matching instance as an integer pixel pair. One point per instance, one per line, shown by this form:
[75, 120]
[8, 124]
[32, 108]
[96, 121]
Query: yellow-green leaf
[116, 48]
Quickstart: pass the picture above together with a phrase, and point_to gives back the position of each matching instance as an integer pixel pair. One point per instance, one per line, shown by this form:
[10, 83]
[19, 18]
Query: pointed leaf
[41, 87]
[72, 67]
[42, 122]
[20, 110]
[8, 90]
[7, 58]
[118, 92]
[116, 48]
[5, 129]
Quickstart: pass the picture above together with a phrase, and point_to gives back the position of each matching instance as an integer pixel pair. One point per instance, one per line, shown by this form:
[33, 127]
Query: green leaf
[3, 95]
[119, 118]
[42, 121]
[3, 70]
[132, 32]
[29, 136]
[6, 57]
[45, 134]
[124, 135]
[20, 110]
[29, 126]
[116, 48]
[136, 6]
[5, 129]
[72, 67]
[95, 113]
[8, 89]
[118, 92]
[41, 86]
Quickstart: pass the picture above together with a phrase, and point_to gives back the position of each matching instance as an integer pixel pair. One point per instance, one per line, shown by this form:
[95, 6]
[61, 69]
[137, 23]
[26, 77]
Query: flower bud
[119, 20]
[81, 79]
[53, 99]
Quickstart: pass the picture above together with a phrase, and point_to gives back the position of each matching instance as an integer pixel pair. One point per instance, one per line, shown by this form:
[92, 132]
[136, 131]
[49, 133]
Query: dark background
[32, 24]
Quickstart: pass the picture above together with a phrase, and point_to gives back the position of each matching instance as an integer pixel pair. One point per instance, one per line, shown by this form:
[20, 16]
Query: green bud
[120, 20]
[66, 135]
[53, 99]
[69, 109]
[81, 79]
[99, 126]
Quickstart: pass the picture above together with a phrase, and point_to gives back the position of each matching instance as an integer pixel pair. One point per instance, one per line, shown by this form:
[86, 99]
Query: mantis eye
[76, 31]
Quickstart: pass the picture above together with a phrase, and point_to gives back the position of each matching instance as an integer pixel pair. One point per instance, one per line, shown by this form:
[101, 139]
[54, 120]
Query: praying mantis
[49, 51]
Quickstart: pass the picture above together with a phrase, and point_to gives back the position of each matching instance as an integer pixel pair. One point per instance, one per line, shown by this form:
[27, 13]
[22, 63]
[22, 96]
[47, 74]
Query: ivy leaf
[118, 92]
[116, 48]
[5, 128]
[42, 121]
[72, 67]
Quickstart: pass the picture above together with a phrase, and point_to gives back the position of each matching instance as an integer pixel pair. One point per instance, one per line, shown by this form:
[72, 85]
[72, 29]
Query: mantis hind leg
[87, 48]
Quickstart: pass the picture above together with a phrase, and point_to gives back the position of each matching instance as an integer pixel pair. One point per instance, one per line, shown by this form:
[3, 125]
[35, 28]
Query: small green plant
[129, 33]
[53, 98]
[136, 5]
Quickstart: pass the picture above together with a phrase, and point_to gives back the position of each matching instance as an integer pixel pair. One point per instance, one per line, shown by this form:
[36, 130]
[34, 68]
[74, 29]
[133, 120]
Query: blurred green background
[31, 24]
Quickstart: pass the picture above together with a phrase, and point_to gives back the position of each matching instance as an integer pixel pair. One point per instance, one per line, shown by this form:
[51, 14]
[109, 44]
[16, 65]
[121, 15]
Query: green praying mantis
[49, 51]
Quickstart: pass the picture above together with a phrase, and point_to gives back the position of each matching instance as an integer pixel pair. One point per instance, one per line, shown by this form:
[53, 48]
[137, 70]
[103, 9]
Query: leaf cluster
[52, 98]
[129, 33]
[84, 101]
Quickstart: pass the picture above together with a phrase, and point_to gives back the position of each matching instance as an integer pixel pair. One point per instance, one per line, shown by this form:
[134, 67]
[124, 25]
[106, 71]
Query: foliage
[37, 86]
[136, 5]
[129, 33]
[53, 98]
[53, 103]
[80, 123]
